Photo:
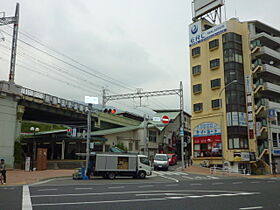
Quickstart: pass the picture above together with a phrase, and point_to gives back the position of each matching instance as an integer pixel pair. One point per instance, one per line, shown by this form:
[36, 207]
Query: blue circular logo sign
[194, 29]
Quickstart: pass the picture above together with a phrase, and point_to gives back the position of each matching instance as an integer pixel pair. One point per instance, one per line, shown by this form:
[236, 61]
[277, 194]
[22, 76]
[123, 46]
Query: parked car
[161, 162]
[172, 159]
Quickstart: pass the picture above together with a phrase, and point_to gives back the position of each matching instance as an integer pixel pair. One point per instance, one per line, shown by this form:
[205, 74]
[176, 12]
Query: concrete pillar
[8, 128]
[62, 149]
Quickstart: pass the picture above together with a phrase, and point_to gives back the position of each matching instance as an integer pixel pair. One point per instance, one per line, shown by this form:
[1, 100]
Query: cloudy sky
[73, 48]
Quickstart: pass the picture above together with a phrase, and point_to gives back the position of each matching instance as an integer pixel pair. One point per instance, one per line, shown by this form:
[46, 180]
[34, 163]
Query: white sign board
[157, 119]
[91, 100]
[258, 128]
[196, 34]
[202, 7]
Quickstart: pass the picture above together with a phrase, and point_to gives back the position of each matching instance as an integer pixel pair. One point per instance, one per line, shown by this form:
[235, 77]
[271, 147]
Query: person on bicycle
[3, 170]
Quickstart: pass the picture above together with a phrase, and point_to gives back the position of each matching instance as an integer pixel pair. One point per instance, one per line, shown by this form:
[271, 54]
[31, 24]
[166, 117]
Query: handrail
[228, 170]
[54, 100]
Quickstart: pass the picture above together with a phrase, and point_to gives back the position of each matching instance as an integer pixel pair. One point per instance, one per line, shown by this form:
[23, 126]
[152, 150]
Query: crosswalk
[183, 175]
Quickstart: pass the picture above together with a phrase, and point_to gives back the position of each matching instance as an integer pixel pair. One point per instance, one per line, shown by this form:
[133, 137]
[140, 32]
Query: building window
[274, 139]
[215, 63]
[195, 51]
[196, 70]
[198, 107]
[197, 88]
[152, 136]
[136, 145]
[238, 143]
[130, 146]
[216, 104]
[214, 44]
[215, 83]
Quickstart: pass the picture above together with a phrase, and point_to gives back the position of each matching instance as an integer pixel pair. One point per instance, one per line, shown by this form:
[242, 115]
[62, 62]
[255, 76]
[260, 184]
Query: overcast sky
[141, 44]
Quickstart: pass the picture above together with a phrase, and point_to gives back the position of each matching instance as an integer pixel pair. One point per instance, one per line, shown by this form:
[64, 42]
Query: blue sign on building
[272, 114]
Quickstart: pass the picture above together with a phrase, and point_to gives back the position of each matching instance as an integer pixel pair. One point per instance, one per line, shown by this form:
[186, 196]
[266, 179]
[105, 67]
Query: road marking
[217, 183]
[254, 182]
[195, 184]
[131, 192]
[271, 181]
[213, 177]
[83, 188]
[176, 180]
[236, 182]
[186, 177]
[166, 194]
[174, 198]
[41, 190]
[97, 202]
[143, 186]
[120, 187]
[255, 207]
[171, 185]
[26, 200]
[132, 200]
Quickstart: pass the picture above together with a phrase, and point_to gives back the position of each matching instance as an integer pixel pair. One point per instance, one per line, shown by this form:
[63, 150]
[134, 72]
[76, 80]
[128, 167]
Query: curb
[33, 183]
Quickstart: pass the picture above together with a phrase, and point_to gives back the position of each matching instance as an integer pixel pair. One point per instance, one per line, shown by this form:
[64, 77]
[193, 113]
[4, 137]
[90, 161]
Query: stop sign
[165, 119]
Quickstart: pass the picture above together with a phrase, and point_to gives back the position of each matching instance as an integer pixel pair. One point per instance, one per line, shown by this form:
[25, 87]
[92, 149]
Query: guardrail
[228, 171]
[54, 100]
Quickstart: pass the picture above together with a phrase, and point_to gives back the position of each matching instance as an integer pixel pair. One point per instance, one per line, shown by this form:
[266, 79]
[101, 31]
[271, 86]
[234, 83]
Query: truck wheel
[142, 174]
[111, 175]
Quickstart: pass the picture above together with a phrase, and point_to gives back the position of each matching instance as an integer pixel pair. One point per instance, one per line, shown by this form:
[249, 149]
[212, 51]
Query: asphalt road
[164, 190]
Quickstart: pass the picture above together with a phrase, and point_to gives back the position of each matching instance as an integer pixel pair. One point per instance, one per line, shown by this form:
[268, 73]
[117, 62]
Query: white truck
[110, 165]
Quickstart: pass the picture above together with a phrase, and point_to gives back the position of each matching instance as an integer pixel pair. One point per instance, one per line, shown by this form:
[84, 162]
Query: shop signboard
[196, 35]
[276, 152]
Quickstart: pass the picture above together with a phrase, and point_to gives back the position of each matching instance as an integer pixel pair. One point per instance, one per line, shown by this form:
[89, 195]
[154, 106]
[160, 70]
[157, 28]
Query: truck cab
[144, 166]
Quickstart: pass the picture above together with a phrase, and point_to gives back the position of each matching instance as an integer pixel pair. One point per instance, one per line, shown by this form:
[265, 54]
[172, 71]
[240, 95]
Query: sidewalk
[20, 177]
[206, 171]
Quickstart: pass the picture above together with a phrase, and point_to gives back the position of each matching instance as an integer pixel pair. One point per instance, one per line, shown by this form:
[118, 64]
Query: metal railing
[229, 171]
[54, 100]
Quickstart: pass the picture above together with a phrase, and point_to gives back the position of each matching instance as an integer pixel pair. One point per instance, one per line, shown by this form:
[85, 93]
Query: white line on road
[236, 182]
[255, 207]
[130, 192]
[41, 190]
[120, 187]
[195, 184]
[217, 183]
[171, 185]
[83, 188]
[254, 182]
[176, 180]
[143, 186]
[186, 177]
[96, 202]
[26, 200]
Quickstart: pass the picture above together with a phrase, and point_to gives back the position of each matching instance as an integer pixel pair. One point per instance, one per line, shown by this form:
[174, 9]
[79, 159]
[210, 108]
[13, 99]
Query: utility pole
[145, 135]
[6, 21]
[88, 136]
[182, 125]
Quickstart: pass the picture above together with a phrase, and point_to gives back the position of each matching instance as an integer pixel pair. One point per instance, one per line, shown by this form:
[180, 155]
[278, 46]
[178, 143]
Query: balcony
[265, 53]
[268, 87]
[265, 68]
[267, 39]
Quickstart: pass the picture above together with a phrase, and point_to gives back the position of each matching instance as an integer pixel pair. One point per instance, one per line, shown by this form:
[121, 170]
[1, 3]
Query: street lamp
[34, 131]
[222, 116]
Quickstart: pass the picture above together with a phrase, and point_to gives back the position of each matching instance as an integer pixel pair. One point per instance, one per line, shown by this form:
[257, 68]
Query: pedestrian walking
[3, 170]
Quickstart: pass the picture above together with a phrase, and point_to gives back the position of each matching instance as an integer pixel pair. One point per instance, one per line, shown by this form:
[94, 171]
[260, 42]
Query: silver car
[161, 162]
